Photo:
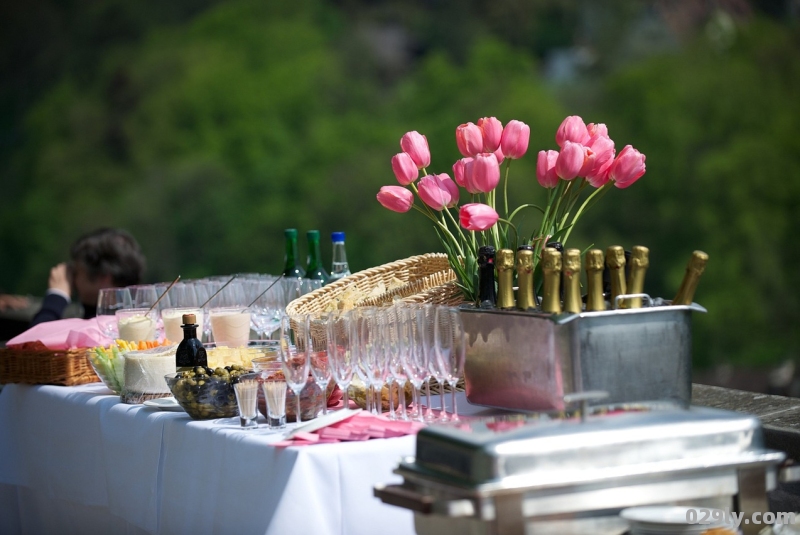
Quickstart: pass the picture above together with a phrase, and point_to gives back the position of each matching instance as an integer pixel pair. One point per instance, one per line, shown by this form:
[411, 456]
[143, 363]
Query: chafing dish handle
[403, 497]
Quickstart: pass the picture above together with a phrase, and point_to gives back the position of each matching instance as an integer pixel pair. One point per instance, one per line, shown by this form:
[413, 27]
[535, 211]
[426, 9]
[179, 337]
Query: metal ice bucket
[528, 361]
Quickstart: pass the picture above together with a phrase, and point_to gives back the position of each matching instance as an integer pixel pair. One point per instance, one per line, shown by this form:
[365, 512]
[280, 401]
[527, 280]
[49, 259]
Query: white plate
[323, 421]
[164, 404]
[664, 519]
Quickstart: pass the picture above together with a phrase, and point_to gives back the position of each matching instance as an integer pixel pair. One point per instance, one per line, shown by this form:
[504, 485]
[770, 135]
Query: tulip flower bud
[572, 129]
[570, 160]
[546, 168]
[416, 145]
[627, 168]
[404, 168]
[485, 173]
[460, 170]
[469, 139]
[514, 141]
[438, 191]
[477, 216]
[395, 198]
[492, 130]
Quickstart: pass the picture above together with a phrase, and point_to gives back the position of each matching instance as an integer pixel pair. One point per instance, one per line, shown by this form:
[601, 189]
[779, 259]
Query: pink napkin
[63, 334]
[362, 426]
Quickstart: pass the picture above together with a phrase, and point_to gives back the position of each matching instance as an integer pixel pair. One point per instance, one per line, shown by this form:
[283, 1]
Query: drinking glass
[377, 355]
[246, 399]
[143, 295]
[109, 300]
[136, 324]
[230, 325]
[340, 339]
[412, 354]
[295, 346]
[172, 319]
[393, 347]
[318, 360]
[265, 308]
[365, 344]
[275, 395]
[449, 349]
[204, 289]
[425, 324]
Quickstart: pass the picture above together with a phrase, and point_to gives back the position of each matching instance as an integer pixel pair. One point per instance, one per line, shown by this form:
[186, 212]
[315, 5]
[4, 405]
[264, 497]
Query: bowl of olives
[208, 393]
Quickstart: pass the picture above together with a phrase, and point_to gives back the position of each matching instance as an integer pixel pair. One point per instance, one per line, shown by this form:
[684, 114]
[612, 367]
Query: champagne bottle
[314, 269]
[487, 295]
[291, 269]
[640, 261]
[525, 297]
[551, 269]
[572, 281]
[695, 268]
[504, 264]
[594, 280]
[615, 262]
[190, 351]
[339, 266]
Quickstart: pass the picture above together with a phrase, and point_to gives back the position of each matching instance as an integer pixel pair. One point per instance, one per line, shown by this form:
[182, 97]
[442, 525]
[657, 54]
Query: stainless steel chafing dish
[547, 473]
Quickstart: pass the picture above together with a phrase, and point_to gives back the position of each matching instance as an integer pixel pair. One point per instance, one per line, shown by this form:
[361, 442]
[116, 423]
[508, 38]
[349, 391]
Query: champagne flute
[366, 342]
[425, 324]
[319, 361]
[341, 350]
[293, 350]
[449, 350]
[454, 369]
[393, 345]
[412, 355]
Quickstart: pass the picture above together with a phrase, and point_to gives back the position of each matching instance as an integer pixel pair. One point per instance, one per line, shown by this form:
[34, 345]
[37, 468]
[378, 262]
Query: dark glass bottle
[314, 269]
[291, 268]
[487, 294]
[190, 352]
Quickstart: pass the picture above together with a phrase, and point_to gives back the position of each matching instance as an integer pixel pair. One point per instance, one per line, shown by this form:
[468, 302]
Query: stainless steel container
[539, 474]
[528, 361]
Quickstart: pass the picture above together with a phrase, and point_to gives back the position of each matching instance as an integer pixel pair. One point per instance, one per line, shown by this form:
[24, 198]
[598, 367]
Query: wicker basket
[44, 366]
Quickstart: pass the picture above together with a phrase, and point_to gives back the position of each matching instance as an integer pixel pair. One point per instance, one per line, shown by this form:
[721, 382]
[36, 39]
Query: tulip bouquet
[575, 178]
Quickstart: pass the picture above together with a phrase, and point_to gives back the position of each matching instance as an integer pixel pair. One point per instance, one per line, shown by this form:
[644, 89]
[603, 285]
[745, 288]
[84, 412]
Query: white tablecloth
[76, 460]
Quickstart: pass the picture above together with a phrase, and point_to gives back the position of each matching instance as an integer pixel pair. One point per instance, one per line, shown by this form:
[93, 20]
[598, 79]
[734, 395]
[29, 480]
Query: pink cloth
[362, 426]
[64, 334]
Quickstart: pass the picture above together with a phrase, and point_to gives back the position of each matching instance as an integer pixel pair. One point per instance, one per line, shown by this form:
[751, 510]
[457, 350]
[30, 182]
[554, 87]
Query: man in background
[104, 258]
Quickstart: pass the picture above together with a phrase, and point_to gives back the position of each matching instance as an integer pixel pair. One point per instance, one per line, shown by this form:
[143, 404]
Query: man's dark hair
[110, 251]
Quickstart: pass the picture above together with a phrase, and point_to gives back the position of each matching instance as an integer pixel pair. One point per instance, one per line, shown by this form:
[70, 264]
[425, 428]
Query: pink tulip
[570, 160]
[460, 170]
[416, 145]
[627, 168]
[603, 148]
[469, 139]
[477, 216]
[438, 191]
[546, 168]
[599, 175]
[597, 129]
[514, 141]
[492, 130]
[484, 174]
[572, 129]
[499, 155]
[404, 168]
[396, 198]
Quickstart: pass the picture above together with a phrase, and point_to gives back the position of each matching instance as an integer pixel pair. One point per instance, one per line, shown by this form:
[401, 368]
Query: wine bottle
[504, 264]
[695, 268]
[190, 352]
[525, 296]
[487, 295]
[595, 265]
[339, 266]
[640, 261]
[314, 269]
[615, 262]
[551, 269]
[571, 274]
[291, 268]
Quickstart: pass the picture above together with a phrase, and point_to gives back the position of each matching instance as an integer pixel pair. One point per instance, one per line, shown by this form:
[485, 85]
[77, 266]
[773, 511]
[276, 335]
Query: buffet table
[76, 460]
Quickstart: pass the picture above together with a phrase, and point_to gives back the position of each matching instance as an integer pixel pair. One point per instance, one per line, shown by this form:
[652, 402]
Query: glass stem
[455, 405]
[401, 400]
[298, 419]
[324, 387]
[428, 410]
[391, 399]
[345, 397]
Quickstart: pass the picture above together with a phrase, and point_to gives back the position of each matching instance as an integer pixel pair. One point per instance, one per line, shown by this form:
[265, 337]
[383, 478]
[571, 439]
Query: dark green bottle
[314, 269]
[291, 268]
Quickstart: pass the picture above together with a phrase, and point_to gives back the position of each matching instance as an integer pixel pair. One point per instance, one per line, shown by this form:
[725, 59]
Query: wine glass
[449, 348]
[109, 300]
[411, 354]
[319, 361]
[424, 325]
[366, 345]
[143, 295]
[394, 346]
[341, 351]
[293, 351]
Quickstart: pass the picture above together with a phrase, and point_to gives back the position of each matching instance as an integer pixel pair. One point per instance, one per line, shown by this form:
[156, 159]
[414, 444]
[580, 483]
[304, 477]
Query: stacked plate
[674, 520]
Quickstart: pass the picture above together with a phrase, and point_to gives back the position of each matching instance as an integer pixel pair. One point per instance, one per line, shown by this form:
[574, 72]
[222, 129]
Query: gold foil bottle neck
[640, 261]
[551, 269]
[615, 261]
[504, 264]
[524, 265]
[595, 262]
[695, 268]
[572, 281]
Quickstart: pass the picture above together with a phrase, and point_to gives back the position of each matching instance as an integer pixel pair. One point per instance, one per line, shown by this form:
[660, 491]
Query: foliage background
[207, 127]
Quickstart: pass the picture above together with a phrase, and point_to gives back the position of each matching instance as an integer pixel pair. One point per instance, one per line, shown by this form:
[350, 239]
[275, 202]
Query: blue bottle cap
[337, 236]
